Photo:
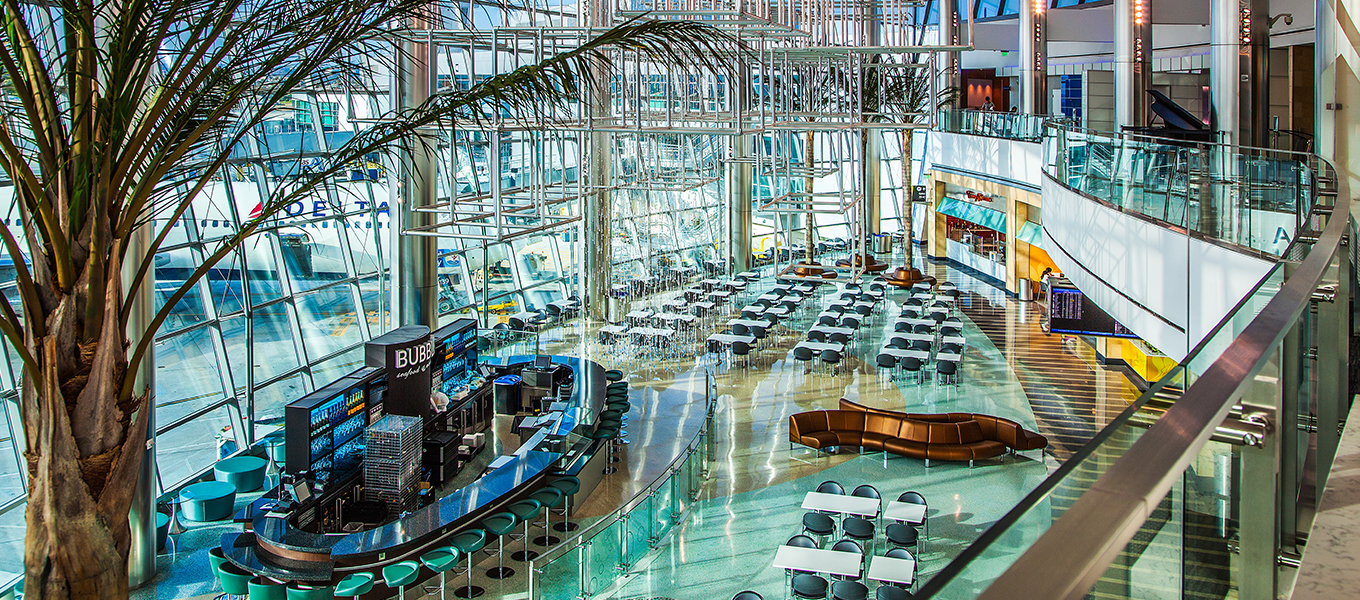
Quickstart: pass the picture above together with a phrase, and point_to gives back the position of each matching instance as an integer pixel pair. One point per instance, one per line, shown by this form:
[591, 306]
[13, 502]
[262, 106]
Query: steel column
[1033, 57]
[1238, 51]
[949, 35]
[142, 514]
[1332, 364]
[1132, 62]
[415, 288]
[1259, 535]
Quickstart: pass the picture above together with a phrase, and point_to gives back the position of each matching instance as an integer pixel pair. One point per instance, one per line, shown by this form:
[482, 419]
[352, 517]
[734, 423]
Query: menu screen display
[454, 373]
[1070, 311]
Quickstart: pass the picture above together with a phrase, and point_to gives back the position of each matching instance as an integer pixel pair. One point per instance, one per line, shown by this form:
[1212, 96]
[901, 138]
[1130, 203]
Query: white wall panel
[1009, 160]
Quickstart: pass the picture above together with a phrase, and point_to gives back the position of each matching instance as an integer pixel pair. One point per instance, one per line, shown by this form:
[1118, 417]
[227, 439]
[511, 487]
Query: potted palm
[117, 113]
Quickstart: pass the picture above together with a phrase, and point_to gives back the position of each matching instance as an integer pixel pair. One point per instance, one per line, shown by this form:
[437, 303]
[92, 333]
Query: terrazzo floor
[750, 504]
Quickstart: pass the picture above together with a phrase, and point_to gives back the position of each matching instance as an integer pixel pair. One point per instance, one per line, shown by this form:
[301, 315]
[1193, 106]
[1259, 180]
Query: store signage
[918, 193]
[405, 354]
[978, 197]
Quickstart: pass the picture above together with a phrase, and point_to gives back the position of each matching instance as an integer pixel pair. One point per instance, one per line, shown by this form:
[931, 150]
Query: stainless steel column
[1259, 493]
[1132, 62]
[142, 514]
[415, 289]
[597, 240]
[1239, 46]
[1034, 57]
[739, 182]
[949, 34]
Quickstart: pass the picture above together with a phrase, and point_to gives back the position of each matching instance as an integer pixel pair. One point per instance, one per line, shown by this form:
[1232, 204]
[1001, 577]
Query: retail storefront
[990, 228]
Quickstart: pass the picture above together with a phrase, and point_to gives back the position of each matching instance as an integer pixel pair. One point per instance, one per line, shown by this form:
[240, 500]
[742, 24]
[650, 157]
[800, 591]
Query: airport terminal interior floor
[751, 502]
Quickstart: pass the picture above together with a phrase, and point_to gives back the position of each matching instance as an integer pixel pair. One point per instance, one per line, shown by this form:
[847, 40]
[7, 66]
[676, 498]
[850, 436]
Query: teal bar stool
[162, 530]
[355, 585]
[606, 434]
[208, 500]
[525, 511]
[613, 375]
[215, 560]
[235, 580]
[469, 542]
[399, 575]
[302, 591]
[500, 525]
[568, 485]
[440, 560]
[550, 498]
[244, 472]
[263, 588]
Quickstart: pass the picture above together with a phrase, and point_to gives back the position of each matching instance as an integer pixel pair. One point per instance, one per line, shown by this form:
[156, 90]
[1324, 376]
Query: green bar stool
[399, 575]
[613, 375]
[235, 580]
[525, 511]
[355, 585]
[469, 542]
[263, 588]
[215, 560]
[440, 560]
[603, 433]
[500, 525]
[568, 485]
[550, 498]
[303, 591]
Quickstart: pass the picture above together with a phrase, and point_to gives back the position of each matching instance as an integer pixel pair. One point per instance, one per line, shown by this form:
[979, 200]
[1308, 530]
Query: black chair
[837, 308]
[887, 361]
[922, 329]
[818, 524]
[901, 536]
[831, 357]
[802, 541]
[946, 371]
[866, 491]
[850, 322]
[802, 355]
[809, 587]
[900, 343]
[741, 349]
[939, 317]
[771, 319]
[857, 529]
[826, 320]
[891, 592]
[913, 497]
[816, 336]
[831, 487]
[921, 345]
[848, 546]
[764, 302]
[838, 338]
[902, 327]
[748, 595]
[900, 553]
[912, 366]
[947, 330]
[849, 590]
[864, 310]
[739, 329]
[747, 313]
[952, 348]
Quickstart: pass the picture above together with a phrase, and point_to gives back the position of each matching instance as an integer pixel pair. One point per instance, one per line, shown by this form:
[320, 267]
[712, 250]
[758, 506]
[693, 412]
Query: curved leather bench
[870, 265]
[950, 436]
[904, 278]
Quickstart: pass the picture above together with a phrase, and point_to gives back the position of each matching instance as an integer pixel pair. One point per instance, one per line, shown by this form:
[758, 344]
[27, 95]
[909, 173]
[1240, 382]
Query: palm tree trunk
[907, 216]
[83, 452]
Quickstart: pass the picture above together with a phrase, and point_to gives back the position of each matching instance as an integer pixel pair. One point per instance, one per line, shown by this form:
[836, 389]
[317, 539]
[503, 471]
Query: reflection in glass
[187, 375]
[327, 319]
[192, 447]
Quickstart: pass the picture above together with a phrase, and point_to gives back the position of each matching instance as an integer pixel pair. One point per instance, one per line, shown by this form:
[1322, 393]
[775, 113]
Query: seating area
[949, 436]
[837, 556]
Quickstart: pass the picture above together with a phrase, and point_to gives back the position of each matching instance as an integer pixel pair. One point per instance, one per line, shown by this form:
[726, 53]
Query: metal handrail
[1093, 531]
[695, 444]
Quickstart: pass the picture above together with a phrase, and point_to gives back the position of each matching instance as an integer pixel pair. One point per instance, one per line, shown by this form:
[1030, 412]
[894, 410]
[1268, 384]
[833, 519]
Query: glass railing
[599, 555]
[1251, 197]
[1011, 126]
[1194, 494]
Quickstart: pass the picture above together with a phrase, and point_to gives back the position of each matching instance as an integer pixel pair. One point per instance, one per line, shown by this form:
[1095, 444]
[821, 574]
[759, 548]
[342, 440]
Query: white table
[952, 339]
[892, 570]
[939, 309]
[749, 323]
[772, 297]
[524, 316]
[924, 295]
[818, 347]
[704, 305]
[676, 305]
[614, 329]
[640, 315]
[755, 308]
[565, 304]
[652, 331]
[748, 275]
[840, 503]
[905, 512]
[734, 285]
[830, 330]
[777, 311]
[920, 355]
[712, 282]
[912, 337]
[949, 356]
[913, 321]
[724, 294]
[728, 338]
[674, 317]
[834, 562]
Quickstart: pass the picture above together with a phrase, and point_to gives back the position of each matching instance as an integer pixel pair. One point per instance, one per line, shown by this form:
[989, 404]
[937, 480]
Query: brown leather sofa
[950, 436]
[870, 265]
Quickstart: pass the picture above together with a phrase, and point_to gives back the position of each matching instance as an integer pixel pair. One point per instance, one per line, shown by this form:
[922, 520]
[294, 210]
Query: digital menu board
[323, 431]
[453, 372]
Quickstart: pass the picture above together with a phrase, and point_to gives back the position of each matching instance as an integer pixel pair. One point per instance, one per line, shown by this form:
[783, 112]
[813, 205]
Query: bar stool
[355, 585]
[440, 560]
[549, 498]
[399, 575]
[302, 591]
[568, 485]
[469, 542]
[525, 511]
[235, 580]
[500, 525]
[263, 588]
[613, 375]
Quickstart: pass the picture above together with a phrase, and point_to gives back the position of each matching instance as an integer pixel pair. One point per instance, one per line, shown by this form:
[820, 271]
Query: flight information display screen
[1070, 311]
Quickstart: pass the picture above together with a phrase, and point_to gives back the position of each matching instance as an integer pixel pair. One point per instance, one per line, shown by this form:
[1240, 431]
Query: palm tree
[900, 93]
[120, 112]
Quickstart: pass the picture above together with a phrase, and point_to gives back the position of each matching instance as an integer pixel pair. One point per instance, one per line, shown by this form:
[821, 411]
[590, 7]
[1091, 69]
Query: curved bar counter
[275, 547]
